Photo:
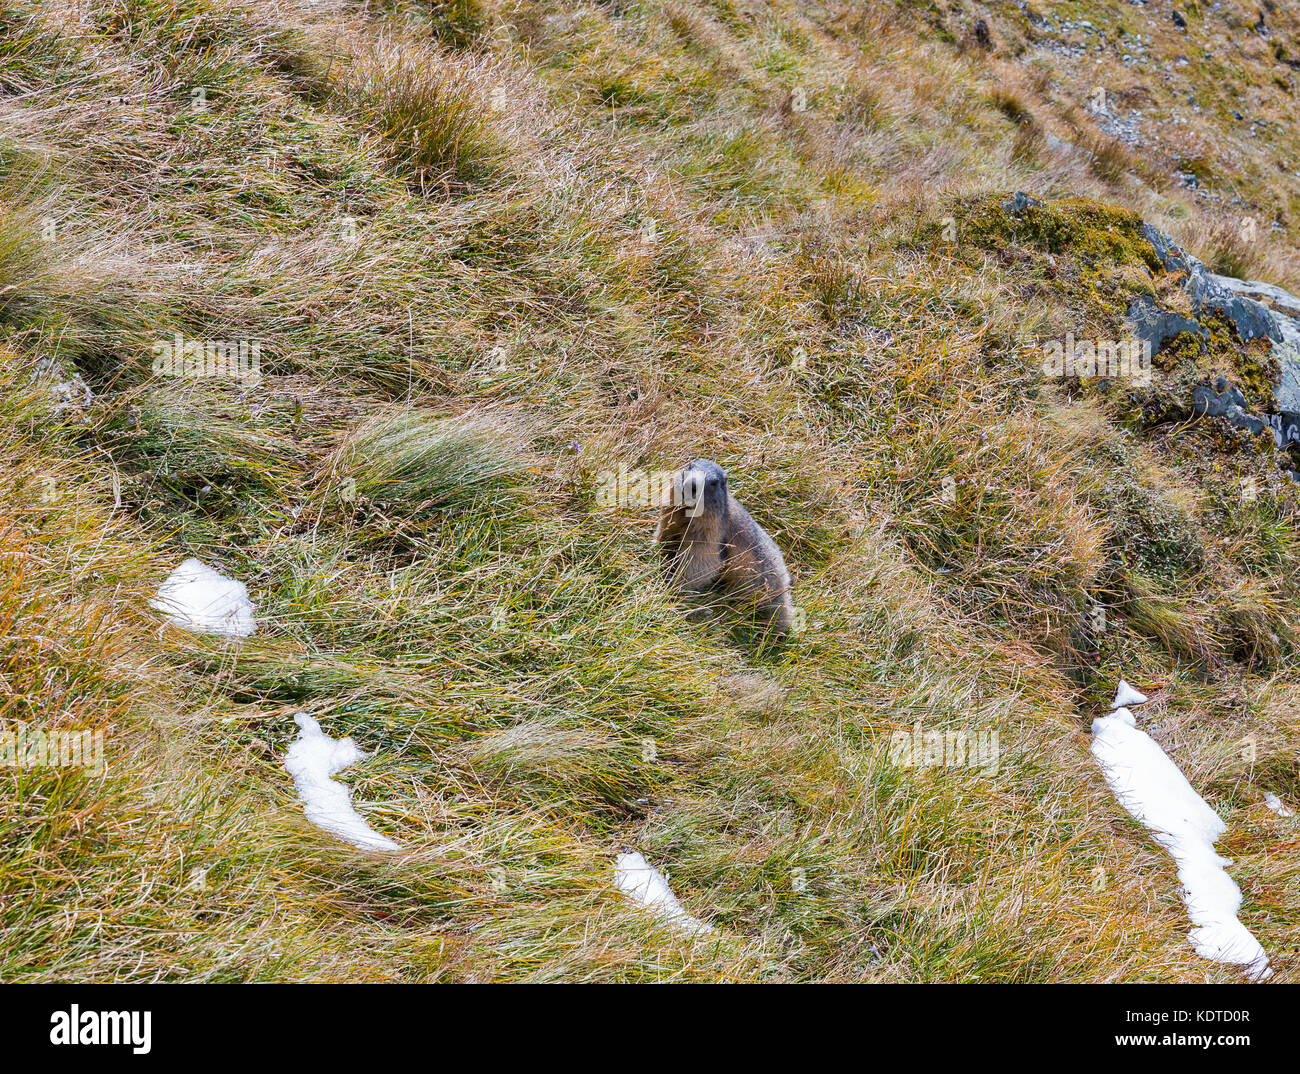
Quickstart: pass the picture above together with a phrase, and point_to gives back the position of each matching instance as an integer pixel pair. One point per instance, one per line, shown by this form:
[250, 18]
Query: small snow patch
[196, 597]
[644, 884]
[1278, 806]
[1123, 715]
[1151, 787]
[1126, 696]
[311, 760]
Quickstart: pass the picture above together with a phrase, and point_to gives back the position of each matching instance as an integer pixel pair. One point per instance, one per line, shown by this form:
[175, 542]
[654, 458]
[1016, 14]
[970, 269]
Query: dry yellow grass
[483, 270]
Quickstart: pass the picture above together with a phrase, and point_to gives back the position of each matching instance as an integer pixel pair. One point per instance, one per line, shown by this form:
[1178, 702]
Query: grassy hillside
[490, 252]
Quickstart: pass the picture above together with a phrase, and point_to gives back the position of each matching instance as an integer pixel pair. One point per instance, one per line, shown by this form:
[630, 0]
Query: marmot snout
[710, 540]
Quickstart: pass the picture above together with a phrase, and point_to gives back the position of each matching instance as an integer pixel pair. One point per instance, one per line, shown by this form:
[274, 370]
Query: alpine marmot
[710, 540]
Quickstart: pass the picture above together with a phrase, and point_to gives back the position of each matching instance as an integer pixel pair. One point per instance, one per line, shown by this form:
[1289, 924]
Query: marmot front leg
[694, 568]
[777, 619]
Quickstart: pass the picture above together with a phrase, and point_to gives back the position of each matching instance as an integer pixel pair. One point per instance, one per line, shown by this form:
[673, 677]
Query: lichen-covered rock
[1253, 320]
[1153, 326]
[1019, 202]
[1171, 255]
[1263, 292]
[1226, 402]
[1230, 297]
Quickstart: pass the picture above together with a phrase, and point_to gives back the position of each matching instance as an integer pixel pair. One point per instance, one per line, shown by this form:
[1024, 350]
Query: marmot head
[704, 488]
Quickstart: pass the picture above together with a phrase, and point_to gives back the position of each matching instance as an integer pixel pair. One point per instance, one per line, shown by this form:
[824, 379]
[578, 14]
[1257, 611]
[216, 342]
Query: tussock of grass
[1225, 249]
[430, 115]
[409, 463]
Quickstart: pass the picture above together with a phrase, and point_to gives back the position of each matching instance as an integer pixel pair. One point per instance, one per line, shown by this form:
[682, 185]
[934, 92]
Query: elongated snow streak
[196, 597]
[644, 884]
[311, 760]
[1151, 787]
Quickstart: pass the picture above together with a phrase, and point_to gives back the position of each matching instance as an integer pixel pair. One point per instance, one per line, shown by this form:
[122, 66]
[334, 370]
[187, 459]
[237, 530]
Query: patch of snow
[1278, 806]
[644, 884]
[1125, 696]
[1151, 787]
[196, 597]
[1124, 716]
[312, 760]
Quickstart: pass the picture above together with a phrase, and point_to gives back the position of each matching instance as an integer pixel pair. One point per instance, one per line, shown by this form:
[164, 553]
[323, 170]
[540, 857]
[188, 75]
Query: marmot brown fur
[710, 540]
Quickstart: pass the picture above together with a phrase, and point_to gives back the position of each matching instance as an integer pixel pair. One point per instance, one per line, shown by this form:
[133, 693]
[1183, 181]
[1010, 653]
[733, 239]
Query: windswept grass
[430, 115]
[412, 463]
[485, 270]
